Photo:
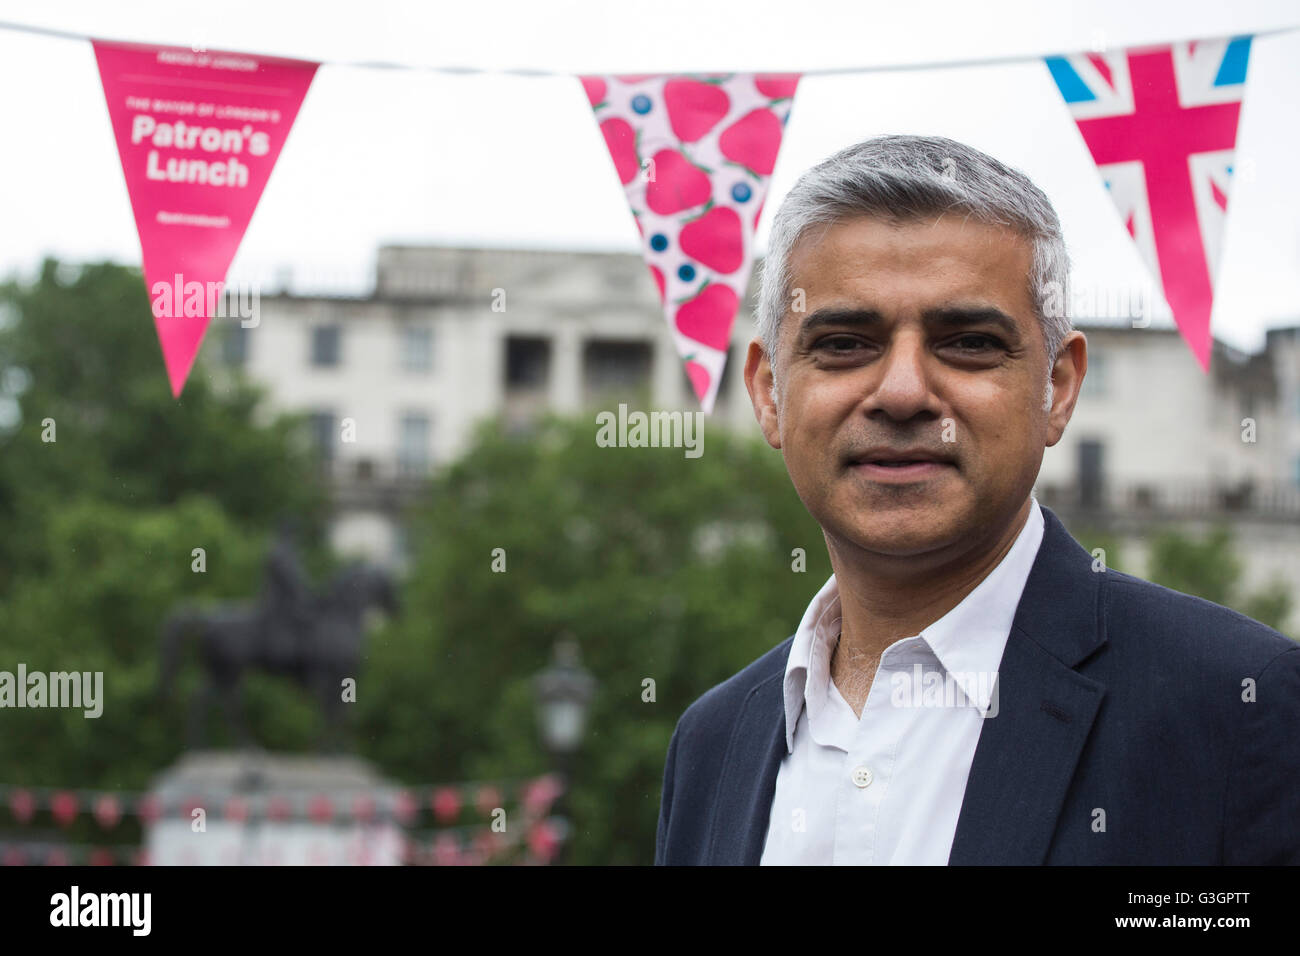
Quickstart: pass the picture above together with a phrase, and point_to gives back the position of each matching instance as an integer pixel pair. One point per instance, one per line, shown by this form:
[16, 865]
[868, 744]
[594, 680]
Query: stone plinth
[273, 809]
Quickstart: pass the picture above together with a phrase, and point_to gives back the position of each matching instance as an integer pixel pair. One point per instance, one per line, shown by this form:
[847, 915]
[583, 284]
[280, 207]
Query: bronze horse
[318, 655]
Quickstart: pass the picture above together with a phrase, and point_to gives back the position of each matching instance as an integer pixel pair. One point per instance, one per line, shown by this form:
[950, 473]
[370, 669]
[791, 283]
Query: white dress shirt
[887, 787]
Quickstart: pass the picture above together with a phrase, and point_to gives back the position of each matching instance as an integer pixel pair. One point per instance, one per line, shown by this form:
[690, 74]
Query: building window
[417, 347]
[234, 345]
[528, 362]
[413, 444]
[1091, 473]
[1095, 382]
[323, 434]
[622, 367]
[325, 345]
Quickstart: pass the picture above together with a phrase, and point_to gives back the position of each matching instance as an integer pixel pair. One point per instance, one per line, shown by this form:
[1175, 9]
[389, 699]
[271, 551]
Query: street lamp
[563, 690]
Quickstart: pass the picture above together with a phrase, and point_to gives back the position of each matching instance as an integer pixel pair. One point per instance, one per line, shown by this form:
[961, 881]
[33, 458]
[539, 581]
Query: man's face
[911, 386]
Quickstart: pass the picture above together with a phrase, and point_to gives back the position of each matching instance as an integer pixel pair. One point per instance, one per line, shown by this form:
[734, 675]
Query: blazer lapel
[748, 780]
[1027, 754]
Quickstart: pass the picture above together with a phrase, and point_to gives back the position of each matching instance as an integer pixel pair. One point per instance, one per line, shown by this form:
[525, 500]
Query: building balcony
[1175, 500]
[374, 484]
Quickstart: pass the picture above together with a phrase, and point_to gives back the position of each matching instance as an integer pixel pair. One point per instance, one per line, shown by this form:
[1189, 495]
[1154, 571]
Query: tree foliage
[1209, 567]
[660, 567]
[78, 349]
[98, 527]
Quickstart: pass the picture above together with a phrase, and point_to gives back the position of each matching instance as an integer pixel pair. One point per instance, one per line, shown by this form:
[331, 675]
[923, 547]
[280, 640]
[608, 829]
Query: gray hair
[909, 178]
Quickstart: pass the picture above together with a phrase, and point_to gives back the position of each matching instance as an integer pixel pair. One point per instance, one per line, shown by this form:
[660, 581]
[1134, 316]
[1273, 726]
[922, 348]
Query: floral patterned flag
[694, 154]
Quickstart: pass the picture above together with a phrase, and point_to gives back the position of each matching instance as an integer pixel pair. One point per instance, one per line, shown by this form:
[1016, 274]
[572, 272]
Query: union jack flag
[1161, 124]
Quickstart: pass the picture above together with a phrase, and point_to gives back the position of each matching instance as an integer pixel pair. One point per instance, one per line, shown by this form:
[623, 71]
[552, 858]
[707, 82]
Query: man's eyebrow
[838, 316]
[954, 317]
[948, 317]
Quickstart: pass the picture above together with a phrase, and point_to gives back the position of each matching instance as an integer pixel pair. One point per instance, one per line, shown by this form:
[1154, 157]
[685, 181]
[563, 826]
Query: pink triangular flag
[1161, 124]
[198, 134]
[694, 154]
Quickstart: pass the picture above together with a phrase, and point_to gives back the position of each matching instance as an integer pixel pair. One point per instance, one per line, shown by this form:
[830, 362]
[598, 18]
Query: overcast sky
[410, 156]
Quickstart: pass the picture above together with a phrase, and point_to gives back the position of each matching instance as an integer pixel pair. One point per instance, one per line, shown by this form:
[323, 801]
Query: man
[970, 686]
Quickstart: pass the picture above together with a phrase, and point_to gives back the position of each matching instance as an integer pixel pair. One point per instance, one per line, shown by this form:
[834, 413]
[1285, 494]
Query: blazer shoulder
[720, 704]
[1190, 625]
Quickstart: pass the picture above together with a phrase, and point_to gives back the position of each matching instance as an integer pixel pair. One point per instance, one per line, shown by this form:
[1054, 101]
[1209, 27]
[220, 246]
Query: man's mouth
[901, 465]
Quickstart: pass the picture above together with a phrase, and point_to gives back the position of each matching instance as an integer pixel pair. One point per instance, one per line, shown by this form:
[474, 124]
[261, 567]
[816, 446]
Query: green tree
[98, 528]
[1210, 568]
[661, 567]
[78, 348]
[114, 575]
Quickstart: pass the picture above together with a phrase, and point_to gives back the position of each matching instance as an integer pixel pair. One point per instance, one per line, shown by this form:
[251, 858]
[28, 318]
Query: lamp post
[563, 691]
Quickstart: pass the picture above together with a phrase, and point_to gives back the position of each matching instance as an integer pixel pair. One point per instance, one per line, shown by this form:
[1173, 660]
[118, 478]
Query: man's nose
[903, 387]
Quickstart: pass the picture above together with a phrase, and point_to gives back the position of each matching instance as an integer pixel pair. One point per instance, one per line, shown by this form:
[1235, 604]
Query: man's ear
[1067, 378]
[758, 381]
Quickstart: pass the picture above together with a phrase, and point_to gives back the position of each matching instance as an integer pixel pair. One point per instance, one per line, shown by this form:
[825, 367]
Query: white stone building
[447, 336]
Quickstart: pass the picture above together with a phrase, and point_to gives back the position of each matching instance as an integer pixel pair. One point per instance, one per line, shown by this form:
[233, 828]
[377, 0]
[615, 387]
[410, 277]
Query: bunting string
[444, 803]
[440, 824]
[198, 134]
[1011, 59]
[535, 844]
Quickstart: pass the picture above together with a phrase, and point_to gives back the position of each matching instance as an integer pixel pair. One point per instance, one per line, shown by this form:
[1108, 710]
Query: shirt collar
[810, 654]
[968, 640]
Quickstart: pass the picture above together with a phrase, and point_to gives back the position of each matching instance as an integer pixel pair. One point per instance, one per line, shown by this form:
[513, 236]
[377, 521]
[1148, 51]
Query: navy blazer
[1115, 694]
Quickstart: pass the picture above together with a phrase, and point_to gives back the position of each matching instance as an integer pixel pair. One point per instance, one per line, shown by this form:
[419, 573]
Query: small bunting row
[447, 803]
[461, 846]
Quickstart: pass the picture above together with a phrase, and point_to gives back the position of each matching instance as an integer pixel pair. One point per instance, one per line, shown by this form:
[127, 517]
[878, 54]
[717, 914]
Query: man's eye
[838, 343]
[975, 343]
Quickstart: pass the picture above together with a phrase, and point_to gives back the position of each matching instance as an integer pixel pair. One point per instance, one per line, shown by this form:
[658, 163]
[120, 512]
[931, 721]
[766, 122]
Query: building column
[666, 386]
[565, 387]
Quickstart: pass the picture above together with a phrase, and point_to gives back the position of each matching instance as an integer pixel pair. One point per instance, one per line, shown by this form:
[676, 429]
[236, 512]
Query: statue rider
[287, 597]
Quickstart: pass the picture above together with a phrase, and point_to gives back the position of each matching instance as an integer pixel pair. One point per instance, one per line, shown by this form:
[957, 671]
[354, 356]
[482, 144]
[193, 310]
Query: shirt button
[861, 777]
